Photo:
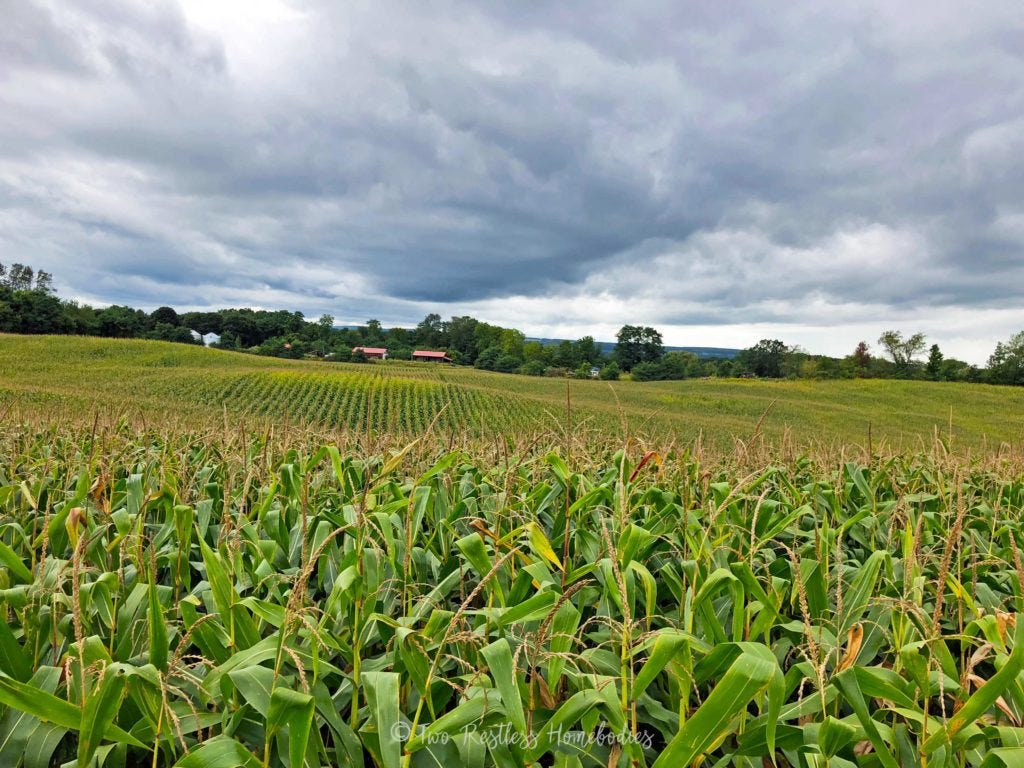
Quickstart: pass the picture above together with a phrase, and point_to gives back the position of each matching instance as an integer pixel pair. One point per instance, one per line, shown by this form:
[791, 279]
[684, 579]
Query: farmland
[78, 378]
[203, 566]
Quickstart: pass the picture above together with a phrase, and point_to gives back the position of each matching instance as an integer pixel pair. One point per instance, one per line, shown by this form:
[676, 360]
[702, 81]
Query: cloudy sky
[815, 172]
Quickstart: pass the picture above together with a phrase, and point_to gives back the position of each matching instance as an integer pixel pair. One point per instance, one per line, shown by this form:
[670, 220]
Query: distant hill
[701, 352]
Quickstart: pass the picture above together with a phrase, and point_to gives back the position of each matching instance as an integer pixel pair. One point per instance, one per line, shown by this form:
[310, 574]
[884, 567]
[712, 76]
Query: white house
[206, 338]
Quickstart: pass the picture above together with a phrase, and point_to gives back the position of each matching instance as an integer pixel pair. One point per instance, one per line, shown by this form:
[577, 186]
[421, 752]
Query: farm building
[373, 353]
[206, 338]
[430, 356]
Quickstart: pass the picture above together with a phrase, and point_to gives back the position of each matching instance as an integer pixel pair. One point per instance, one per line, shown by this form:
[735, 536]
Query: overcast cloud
[815, 172]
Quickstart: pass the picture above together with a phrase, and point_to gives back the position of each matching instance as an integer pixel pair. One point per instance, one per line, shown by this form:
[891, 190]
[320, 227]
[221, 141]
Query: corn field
[364, 400]
[73, 379]
[184, 601]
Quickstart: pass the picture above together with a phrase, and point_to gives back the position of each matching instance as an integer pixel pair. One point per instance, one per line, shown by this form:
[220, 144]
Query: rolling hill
[79, 377]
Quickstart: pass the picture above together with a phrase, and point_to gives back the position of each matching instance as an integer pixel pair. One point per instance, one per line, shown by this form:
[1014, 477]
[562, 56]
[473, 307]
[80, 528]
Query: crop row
[361, 402]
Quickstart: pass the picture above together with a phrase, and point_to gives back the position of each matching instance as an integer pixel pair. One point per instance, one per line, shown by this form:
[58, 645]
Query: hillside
[77, 377]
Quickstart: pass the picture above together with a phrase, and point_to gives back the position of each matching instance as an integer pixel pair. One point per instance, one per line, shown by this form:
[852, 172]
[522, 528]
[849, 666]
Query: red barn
[430, 356]
[373, 353]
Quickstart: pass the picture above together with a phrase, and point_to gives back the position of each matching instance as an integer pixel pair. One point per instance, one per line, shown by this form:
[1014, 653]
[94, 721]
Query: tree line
[29, 304]
[898, 356]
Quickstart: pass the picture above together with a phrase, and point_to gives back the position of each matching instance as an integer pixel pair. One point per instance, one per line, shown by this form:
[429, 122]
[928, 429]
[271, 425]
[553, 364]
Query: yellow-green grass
[76, 378]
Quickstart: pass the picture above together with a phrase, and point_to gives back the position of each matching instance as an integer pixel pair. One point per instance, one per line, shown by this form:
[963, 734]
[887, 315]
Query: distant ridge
[607, 346]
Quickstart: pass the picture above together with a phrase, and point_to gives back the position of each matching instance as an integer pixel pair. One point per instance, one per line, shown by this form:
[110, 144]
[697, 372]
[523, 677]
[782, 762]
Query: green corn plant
[276, 600]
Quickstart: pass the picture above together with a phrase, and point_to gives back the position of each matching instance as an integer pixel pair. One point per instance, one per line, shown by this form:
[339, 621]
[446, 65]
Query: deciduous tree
[901, 350]
[637, 344]
[1006, 365]
[764, 358]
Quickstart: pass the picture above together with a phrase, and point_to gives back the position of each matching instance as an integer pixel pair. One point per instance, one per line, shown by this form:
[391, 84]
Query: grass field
[260, 567]
[77, 377]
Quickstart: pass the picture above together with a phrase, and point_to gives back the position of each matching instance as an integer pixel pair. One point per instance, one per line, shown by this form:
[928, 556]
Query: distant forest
[28, 304]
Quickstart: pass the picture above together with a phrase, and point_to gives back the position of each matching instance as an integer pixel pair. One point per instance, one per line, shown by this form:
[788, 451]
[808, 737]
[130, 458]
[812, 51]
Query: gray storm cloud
[701, 166]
